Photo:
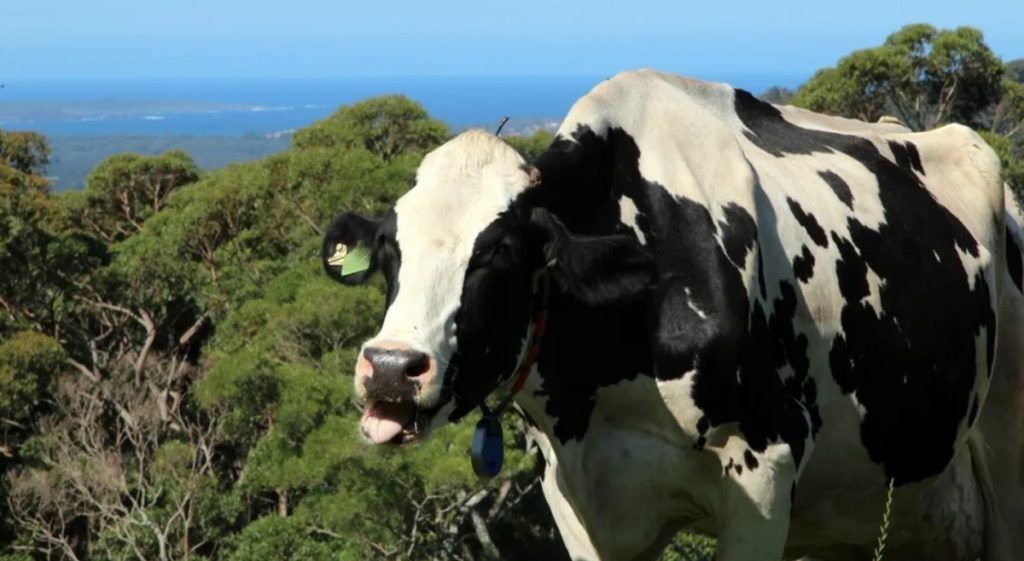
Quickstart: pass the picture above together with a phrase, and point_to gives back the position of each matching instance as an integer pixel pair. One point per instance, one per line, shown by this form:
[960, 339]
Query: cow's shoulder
[678, 132]
[656, 106]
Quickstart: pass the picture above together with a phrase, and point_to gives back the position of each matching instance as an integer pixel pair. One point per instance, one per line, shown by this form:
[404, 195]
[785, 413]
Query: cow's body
[808, 208]
[834, 305]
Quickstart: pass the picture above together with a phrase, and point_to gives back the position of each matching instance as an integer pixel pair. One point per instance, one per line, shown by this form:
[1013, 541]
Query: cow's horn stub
[534, 174]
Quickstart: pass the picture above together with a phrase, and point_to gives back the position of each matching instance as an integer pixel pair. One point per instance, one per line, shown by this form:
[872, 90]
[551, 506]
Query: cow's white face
[459, 277]
[460, 252]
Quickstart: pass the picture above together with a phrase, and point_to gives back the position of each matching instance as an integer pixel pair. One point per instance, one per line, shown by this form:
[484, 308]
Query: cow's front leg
[755, 517]
[574, 535]
[757, 495]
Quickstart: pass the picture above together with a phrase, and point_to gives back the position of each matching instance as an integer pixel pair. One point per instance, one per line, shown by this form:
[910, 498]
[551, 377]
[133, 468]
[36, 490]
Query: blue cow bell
[488, 451]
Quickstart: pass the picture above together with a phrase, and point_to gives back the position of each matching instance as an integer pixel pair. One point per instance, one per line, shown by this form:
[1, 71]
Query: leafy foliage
[1015, 70]
[27, 361]
[1012, 159]
[533, 145]
[687, 547]
[24, 151]
[385, 126]
[25, 210]
[126, 189]
[928, 77]
[923, 75]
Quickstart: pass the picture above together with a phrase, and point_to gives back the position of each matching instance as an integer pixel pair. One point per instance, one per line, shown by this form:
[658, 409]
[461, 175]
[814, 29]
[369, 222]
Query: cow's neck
[596, 415]
[586, 350]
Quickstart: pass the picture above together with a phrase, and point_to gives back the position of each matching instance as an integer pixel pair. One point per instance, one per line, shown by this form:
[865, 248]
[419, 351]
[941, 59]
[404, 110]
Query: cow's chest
[632, 479]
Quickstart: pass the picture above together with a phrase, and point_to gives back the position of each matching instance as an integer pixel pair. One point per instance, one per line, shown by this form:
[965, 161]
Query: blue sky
[133, 39]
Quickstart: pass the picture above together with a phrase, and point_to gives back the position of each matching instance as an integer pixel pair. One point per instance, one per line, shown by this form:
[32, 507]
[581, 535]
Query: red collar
[540, 321]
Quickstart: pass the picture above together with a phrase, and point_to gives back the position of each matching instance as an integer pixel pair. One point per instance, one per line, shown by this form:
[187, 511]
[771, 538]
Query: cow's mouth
[394, 422]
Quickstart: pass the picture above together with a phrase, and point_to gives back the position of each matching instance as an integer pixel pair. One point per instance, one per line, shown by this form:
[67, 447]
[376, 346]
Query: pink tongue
[383, 421]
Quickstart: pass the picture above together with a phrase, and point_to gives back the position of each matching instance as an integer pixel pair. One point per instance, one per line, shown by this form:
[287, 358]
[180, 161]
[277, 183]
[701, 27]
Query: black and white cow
[759, 317]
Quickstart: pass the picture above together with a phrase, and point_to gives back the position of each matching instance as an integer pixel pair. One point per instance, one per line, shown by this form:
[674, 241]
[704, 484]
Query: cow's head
[460, 252]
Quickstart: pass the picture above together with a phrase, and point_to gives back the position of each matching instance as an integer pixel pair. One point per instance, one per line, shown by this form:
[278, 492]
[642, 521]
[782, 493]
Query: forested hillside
[175, 369]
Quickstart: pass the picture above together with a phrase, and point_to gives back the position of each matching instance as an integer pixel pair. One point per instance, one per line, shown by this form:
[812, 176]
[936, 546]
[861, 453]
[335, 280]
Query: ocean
[263, 107]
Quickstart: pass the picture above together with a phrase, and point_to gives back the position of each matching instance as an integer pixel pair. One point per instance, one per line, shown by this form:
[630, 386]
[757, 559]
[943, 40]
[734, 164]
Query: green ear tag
[356, 261]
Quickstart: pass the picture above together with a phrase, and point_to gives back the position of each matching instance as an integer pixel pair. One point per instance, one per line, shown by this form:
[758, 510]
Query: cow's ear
[595, 269]
[349, 253]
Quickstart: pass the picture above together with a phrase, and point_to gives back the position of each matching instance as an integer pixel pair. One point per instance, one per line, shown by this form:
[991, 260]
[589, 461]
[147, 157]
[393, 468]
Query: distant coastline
[225, 121]
[238, 107]
[74, 156]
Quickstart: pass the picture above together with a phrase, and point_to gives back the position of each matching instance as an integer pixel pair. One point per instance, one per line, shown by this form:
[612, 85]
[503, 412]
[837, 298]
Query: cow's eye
[504, 256]
[503, 250]
[501, 255]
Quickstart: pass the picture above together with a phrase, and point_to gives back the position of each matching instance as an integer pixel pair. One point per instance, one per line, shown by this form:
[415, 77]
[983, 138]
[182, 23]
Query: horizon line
[403, 76]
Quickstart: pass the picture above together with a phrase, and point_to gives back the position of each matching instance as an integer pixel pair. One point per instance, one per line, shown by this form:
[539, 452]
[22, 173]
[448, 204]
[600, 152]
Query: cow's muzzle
[392, 378]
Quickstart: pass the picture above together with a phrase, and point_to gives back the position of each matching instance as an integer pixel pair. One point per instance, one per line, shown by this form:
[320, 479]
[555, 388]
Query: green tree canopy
[1015, 70]
[25, 151]
[29, 362]
[531, 146]
[25, 212]
[124, 190]
[1007, 116]
[922, 75]
[386, 126]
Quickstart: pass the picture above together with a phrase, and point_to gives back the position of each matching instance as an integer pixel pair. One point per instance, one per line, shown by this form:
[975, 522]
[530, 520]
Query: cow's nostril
[397, 362]
[417, 365]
